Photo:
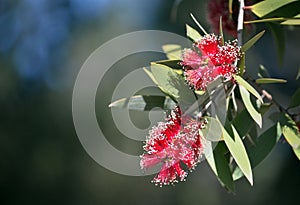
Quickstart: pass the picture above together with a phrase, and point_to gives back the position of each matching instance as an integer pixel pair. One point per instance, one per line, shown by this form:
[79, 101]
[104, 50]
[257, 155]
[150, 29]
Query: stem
[266, 94]
[240, 23]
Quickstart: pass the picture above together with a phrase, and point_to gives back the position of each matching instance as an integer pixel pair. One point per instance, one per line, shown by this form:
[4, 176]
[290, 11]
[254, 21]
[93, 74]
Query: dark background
[43, 44]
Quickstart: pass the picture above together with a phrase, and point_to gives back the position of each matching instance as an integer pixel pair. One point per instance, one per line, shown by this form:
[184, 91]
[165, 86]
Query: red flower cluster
[171, 143]
[208, 60]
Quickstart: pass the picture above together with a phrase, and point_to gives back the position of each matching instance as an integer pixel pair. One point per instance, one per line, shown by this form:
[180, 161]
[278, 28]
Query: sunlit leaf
[192, 33]
[238, 152]
[252, 41]
[297, 152]
[144, 103]
[220, 166]
[242, 64]
[265, 7]
[269, 80]
[256, 116]
[246, 85]
[266, 20]
[263, 145]
[213, 130]
[150, 75]
[294, 21]
[171, 83]
[290, 131]
[173, 51]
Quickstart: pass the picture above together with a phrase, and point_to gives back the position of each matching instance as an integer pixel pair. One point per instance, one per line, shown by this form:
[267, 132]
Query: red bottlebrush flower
[172, 143]
[217, 8]
[209, 60]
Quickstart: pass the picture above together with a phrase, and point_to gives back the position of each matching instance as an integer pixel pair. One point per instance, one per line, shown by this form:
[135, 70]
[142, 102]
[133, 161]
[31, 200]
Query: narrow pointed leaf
[256, 116]
[293, 21]
[265, 20]
[263, 145]
[221, 31]
[246, 85]
[265, 7]
[170, 63]
[220, 167]
[290, 131]
[171, 83]
[238, 152]
[198, 24]
[213, 130]
[192, 33]
[252, 41]
[243, 122]
[297, 152]
[144, 103]
[269, 80]
[242, 64]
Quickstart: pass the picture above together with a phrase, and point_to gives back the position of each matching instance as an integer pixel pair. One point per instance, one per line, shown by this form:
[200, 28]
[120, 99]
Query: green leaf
[297, 152]
[221, 31]
[295, 99]
[256, 116]
[293, 21]
[263, 72]
[172, 84]
[265, 7]
[246, 85]
[242, 64]
[144, 103]
[269, 80]
[263, 145]
[238, 152]
[266, 20]
[173, 51]
[290, 130]
[252, 41]
[279, 37]
[220, 166]
[213, 130]
[170, 63]
[192, 33]
[198, 24]
[243, 122]
[217, 97]
[150, 75]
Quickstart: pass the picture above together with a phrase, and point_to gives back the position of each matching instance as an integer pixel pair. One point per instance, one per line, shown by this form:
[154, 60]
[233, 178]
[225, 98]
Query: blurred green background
[43, 44]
